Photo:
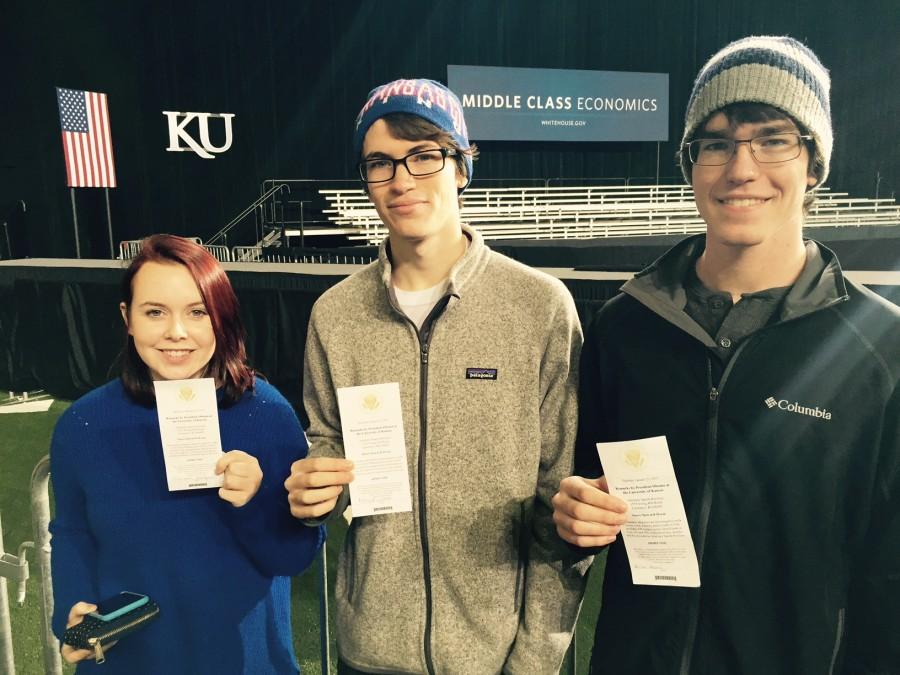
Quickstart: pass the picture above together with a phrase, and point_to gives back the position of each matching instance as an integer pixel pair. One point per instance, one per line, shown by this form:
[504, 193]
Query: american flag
[87, 145]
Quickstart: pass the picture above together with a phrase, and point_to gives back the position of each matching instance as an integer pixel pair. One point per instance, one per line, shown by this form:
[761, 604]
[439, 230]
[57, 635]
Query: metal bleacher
[591, 212]
[523, 212]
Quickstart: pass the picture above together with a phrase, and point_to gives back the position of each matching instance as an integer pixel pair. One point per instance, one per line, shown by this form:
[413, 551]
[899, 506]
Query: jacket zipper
[424, 337]
[99, 656]
[714, 395]
[838, 638]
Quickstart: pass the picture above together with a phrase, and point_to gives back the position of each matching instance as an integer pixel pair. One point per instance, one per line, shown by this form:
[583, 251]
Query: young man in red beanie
[774, 381]
[472, 579]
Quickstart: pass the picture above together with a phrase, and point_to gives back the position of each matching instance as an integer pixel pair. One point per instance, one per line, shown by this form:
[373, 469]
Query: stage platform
[60, 328]
[860, 248]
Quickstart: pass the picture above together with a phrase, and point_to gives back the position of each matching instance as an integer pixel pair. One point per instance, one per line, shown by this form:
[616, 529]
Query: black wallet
[93, 633]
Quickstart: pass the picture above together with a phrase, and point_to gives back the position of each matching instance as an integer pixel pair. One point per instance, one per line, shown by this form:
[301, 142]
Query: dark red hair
[228, 364]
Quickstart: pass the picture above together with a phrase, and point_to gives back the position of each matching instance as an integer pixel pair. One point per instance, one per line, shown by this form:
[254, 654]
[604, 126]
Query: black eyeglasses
[419, 163]
[767, 149]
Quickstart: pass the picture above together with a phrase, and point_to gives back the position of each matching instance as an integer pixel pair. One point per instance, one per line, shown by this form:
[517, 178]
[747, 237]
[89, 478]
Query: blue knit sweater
[220, 574]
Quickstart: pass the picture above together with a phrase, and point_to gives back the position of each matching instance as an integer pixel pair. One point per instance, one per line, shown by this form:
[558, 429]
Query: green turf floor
[25, 438]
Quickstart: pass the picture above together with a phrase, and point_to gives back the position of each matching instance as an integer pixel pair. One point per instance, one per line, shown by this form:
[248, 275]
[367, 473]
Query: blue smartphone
[116, 606]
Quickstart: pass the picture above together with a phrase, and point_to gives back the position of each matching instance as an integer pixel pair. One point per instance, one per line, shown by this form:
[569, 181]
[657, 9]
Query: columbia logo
[797, 408]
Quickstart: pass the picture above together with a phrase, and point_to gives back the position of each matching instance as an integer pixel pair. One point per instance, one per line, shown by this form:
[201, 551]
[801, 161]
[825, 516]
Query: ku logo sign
[178, 134]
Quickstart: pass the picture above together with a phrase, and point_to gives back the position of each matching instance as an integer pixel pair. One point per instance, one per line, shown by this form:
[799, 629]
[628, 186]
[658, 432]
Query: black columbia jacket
[789, 468]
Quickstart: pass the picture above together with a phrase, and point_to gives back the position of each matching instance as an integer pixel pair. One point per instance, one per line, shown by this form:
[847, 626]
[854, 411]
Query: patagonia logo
[797, 408]
[481, 373]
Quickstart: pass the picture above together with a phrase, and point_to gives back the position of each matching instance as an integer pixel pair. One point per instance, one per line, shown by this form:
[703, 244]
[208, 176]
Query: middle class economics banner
[544, 104]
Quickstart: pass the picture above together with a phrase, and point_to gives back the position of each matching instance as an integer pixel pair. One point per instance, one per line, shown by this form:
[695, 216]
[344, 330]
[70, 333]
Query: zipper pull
[425, 353]
[99, 657]
[713, 394]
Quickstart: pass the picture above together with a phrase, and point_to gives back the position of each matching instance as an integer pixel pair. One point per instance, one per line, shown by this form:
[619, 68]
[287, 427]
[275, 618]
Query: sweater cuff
[342, 503]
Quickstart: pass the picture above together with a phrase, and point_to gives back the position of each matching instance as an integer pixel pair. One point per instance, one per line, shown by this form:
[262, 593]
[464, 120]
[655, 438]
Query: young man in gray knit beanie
[774, 380]
[468, 576]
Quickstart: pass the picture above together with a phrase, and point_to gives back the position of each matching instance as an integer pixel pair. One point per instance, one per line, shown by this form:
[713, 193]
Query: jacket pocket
[524, 538]
[350, 565]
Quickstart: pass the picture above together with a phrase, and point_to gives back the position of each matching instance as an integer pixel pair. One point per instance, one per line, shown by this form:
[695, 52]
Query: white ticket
[189, 429]
[657, 537]
[372, 426]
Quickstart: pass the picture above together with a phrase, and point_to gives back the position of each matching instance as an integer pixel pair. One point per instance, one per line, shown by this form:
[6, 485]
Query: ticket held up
[657, 537]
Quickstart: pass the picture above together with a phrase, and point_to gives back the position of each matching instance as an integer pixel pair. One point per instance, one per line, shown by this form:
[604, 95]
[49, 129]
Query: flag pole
[112, 250]
[75, 220]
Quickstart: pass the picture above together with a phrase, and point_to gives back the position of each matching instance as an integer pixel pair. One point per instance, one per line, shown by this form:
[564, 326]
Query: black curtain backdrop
[66, 331]
[295, 72]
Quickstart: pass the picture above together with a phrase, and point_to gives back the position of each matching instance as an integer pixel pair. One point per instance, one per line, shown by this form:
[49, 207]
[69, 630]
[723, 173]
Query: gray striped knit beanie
[778, 71]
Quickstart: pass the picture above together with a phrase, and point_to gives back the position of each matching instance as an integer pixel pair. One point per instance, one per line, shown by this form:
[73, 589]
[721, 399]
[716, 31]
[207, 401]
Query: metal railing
[16, 568]
[220, 253]
[130, 248]
[246, 253]
[258, 203]
[40, 521]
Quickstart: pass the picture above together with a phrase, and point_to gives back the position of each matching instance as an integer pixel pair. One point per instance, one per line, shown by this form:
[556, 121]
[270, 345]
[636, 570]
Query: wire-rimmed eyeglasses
[767, 149]
[418, 163]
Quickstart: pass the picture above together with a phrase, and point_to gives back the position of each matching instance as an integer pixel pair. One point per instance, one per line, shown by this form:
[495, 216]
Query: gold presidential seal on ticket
[370, 402]
[634, 458]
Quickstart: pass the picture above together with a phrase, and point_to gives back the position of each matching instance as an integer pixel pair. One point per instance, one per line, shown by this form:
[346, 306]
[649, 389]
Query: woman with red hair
[217, 562]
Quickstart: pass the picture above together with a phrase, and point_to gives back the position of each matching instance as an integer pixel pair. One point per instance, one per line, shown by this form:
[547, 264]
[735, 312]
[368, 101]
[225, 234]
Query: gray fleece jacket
[474, 579]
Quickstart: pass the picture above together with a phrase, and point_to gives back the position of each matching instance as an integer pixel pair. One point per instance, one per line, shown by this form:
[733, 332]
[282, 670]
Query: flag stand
[112, 250]
[87, 149]
[75, 220]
